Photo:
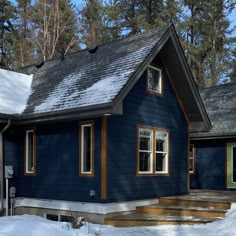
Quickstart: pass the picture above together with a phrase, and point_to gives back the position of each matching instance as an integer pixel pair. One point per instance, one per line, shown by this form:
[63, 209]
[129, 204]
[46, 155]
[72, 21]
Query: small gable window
[87, 148]
[154, 80]
[153, 151]
[30, 152]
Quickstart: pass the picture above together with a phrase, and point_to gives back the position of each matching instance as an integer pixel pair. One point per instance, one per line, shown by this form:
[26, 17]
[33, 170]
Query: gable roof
[85, 84]
[83, 80]
[14, 91]
[220, 102]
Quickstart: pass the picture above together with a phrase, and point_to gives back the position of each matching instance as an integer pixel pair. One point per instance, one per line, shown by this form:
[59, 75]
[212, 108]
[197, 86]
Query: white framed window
[145, 151]
[153, 151]
[30, 152]
[87, 148]
[161, 151]
[154, 80]
[191, 160]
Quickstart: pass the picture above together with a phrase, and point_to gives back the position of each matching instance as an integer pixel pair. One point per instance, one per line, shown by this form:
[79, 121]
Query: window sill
[154, 93]
[29, 174]
[152, 174]
[86, 175]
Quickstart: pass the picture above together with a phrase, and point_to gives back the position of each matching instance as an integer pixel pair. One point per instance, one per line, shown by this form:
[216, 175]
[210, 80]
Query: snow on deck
[15, 89]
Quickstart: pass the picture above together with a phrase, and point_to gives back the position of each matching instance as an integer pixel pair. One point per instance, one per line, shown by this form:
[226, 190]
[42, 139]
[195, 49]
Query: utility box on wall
[9, 172]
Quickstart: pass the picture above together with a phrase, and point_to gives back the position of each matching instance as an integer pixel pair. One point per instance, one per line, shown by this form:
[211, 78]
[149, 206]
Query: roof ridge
[104, 44]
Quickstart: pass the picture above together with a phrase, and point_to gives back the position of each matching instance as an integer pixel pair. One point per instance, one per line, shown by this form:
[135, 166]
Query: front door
[231, 165]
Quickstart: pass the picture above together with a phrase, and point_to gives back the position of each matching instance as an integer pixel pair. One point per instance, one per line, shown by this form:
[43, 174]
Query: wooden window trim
[167, 152]
[104, 158]
[81, 173]
[193, 172]
[33, 173]
[138, 151]
[153, 173]
[161, 81]
[227, 144]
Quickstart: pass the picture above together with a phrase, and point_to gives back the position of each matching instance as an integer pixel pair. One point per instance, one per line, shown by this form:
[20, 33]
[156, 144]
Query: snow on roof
[15, 89]
[102, 91]
[83, 80]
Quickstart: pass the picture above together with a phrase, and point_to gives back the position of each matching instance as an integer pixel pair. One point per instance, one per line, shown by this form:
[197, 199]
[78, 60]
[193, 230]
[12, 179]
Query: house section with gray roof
[215, 150]
[105, 126]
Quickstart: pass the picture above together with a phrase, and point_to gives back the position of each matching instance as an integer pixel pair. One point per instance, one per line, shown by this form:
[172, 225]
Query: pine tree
[7, 15]
[232, 74]
[97, 25]
[23, 47]
[215, 38]
[205, 34]
[55, 28]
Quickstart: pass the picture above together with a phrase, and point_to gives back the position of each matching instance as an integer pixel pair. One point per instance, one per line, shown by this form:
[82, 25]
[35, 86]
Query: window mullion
[154, 151]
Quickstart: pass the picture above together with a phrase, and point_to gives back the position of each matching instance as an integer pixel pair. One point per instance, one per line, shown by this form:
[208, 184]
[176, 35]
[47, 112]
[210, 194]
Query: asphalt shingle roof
[83, 79]
[220, 103]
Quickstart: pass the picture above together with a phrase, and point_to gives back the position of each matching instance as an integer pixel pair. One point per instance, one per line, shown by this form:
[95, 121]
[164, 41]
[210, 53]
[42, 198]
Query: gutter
[1, 162]
[224, 136]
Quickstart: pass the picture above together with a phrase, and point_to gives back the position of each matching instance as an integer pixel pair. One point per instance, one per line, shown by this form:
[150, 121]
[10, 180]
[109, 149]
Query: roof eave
[5, 117]
[191, 82]
[73, 114]
[213, 136]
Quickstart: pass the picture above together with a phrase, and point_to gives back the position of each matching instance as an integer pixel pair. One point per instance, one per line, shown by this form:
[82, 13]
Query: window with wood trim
[191, 161]
[87, 148]
[161, 151]
[154, 80]
[30, 152]
[153, 151]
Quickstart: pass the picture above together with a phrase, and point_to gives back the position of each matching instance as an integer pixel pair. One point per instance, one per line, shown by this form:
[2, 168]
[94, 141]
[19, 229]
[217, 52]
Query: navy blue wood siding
[57, 175]
[142, 108]
[57, 153]
[210, 165]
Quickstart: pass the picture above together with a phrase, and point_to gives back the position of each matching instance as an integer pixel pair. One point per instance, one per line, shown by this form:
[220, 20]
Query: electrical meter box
[9, 172]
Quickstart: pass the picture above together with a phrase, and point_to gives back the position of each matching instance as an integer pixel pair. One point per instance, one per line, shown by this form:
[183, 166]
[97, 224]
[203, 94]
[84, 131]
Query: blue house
[101, 130]
[213, 158]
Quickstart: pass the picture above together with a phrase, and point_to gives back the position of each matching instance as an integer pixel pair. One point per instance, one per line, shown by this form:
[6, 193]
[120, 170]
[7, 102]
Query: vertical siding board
[104, 159]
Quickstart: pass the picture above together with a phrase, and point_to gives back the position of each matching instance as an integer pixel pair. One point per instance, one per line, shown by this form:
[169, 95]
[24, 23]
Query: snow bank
[36, 226]
[15, 89]
[32, 226]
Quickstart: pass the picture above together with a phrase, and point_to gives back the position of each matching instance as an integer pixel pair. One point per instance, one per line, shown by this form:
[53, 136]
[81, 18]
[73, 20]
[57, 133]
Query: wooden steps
[172, 211]
[194, 203]
[182, 211]
[139, 219]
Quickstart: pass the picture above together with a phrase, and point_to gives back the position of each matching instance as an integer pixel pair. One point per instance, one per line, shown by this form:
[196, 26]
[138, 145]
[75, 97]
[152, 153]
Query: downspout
[1, 161]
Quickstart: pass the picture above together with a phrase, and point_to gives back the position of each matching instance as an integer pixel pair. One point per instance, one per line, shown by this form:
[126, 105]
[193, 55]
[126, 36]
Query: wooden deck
[197, 207]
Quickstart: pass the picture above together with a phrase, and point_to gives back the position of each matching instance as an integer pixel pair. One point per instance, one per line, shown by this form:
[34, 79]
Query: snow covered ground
[27, 225]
